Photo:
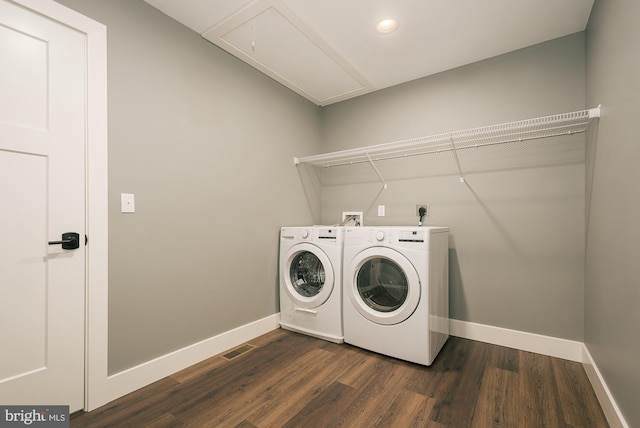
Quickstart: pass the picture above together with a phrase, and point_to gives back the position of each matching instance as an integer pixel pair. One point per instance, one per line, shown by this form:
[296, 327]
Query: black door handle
[70, 241]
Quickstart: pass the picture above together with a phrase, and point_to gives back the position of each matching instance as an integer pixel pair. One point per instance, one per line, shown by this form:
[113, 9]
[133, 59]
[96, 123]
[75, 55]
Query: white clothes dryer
[396, 290]
[311, 281]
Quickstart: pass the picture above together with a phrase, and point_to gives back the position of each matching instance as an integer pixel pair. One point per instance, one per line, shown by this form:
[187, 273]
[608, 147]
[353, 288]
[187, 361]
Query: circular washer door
[383, 285]
[308, 275]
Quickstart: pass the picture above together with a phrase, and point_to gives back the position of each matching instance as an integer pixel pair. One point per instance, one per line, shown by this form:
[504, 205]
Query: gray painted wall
[612, 296]
[205, 144]
[517, 224]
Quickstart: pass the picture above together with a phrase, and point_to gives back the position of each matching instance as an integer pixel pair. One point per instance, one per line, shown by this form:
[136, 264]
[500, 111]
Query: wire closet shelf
[511, 132]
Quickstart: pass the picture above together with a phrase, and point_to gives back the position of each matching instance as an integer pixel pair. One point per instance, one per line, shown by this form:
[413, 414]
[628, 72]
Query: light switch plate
[127, 203]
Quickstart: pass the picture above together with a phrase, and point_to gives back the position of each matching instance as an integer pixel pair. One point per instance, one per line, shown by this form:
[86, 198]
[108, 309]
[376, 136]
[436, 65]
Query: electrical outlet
[425, 206]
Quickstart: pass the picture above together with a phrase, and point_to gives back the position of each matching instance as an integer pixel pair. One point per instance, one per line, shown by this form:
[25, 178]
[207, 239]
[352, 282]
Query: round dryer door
[308, 275]
[383, 285]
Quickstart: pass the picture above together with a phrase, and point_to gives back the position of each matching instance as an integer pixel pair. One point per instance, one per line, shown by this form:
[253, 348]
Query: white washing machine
[396, 290]
[311, 281]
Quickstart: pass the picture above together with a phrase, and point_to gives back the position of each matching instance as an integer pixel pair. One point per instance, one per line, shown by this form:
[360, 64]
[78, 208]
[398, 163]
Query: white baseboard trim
[545, 345]
[608, 404]
[151, 371]
[531, 342]
[129, 380]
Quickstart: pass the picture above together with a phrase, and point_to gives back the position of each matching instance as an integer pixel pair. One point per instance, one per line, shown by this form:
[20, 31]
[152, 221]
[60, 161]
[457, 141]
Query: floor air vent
[237, 352]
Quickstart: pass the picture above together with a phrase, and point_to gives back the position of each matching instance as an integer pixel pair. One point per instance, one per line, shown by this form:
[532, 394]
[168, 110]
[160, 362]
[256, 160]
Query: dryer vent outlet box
[349, 217]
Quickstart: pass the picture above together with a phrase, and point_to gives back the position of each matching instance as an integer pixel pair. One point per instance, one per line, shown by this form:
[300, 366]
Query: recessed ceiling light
[387, 25]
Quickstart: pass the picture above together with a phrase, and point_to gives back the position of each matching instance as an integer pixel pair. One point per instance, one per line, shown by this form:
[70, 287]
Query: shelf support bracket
[373, 165]
[455, 156]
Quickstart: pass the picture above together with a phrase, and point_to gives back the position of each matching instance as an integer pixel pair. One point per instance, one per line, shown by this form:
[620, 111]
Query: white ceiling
[328, 50]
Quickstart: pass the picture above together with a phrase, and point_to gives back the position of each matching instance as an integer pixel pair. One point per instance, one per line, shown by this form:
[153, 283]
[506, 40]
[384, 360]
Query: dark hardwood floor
[291, 380]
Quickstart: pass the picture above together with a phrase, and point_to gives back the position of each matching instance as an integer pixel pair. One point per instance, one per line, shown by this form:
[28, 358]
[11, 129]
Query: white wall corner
[545, 345]
[129, 380]
[608, 404]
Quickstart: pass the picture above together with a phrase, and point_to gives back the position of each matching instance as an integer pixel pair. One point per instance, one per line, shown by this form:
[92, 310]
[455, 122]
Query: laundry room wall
[517, 223]
[205, 143]
[612, 292]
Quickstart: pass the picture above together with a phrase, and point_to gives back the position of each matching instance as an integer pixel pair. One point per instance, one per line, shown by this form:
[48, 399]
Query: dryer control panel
[329, 233]
[411, 236]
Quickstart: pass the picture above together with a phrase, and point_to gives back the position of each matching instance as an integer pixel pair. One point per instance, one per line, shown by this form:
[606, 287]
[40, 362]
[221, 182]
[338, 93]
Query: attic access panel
[275, 41]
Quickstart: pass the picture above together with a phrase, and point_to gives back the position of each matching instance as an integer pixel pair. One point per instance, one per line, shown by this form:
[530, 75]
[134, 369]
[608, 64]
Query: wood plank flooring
[292, 380]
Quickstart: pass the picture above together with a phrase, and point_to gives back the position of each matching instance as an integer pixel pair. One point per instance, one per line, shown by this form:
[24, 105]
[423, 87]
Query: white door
[42, 196]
